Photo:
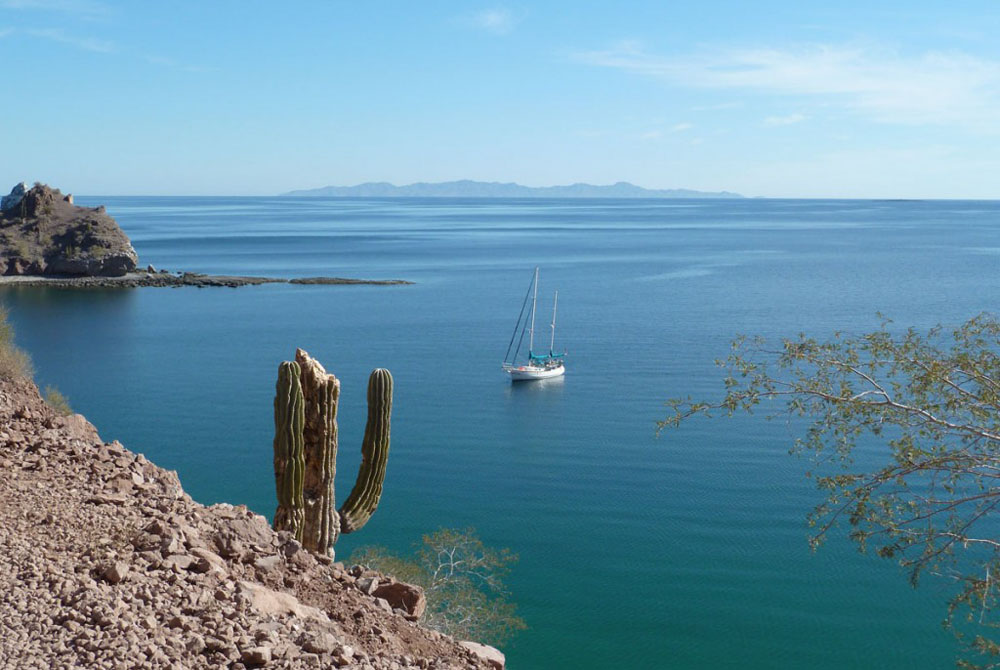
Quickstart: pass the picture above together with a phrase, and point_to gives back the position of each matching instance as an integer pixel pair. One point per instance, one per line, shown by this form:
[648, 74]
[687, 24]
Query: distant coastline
[466, 188]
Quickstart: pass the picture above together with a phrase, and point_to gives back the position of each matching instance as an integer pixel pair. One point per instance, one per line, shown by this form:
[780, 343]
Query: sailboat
[538, 366]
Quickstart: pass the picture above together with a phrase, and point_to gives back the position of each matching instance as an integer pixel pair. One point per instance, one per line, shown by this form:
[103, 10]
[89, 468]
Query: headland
[47, 240]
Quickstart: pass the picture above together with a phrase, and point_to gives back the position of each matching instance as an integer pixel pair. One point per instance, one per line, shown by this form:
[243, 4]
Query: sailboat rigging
[538, 366]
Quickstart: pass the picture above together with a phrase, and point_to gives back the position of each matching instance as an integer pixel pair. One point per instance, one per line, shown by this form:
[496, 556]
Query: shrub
[19, 248]
[57, 401]
[14, 362]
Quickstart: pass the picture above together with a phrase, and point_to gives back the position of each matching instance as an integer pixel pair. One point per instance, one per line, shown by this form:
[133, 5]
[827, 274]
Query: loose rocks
[105, 562]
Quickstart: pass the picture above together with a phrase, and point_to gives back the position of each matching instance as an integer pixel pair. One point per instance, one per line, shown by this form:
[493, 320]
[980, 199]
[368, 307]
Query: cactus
[361, 504]
[314, 430]
[321, 391]
[289, 460]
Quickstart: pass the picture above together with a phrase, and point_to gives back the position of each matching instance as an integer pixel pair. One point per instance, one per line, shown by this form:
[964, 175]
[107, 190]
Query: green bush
[57, 401]
[463, 581]
[14, 362]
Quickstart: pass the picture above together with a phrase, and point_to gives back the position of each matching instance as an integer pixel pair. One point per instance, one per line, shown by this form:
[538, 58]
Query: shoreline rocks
[163, 279]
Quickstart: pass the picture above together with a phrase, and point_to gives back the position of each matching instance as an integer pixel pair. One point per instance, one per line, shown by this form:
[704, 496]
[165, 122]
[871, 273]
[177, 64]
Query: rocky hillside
[43, 233]
[105, 562]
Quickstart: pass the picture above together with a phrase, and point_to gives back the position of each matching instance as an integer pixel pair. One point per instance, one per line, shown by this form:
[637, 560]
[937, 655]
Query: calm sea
[687, 551]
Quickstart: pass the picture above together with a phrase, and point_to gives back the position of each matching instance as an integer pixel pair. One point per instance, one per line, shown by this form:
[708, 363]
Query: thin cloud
[681, 127]
[930, 88]
[784, 120]
[80, 7]
[651, 135]
[4, 32]
[498, 21]
[85, 43]
[720, 106]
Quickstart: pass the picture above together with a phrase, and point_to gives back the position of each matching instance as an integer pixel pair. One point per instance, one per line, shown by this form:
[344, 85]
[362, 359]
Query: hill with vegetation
[43, 233]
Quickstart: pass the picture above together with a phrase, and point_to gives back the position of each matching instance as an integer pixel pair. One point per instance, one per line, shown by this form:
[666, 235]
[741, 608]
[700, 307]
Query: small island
[47, 240]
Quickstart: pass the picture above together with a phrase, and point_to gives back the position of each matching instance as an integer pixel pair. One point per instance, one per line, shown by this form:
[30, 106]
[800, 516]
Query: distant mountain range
[481, 189]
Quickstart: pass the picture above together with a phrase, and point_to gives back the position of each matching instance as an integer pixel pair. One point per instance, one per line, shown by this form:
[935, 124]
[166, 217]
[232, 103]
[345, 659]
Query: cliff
[106, 562]
[43, 233]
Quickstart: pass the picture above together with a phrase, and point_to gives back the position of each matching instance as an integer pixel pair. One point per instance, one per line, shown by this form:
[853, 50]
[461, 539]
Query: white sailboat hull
[524, 373]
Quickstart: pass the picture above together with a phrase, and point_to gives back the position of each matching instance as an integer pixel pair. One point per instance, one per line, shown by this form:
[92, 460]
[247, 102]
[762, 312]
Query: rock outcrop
[43, 233]
[15, 197]
[105, 562]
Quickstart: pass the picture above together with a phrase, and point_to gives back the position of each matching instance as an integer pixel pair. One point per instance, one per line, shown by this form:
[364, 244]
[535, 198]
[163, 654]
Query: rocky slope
[43, 233]
[105, 562]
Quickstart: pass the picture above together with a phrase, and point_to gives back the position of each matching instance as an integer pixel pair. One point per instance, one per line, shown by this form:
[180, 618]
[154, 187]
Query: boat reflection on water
[550, 385]
[540, 400]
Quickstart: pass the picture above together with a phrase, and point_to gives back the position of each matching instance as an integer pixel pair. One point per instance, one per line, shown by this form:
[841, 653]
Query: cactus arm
[289, 462]
[364, 497]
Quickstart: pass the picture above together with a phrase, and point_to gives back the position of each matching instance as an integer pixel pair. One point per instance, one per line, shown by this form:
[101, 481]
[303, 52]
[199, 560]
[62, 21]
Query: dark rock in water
[343, 280]
[43, 233]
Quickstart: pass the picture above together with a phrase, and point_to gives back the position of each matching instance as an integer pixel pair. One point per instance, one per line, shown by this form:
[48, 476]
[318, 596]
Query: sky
[874, 99]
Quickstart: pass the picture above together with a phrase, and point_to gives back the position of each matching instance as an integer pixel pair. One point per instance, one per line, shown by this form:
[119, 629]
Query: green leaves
[931, 400]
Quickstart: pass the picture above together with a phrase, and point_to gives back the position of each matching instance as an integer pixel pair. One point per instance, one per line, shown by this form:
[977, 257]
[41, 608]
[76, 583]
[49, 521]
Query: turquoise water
[687, 551]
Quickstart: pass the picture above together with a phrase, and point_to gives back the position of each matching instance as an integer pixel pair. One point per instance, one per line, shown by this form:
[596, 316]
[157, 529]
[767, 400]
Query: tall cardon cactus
[305, 453]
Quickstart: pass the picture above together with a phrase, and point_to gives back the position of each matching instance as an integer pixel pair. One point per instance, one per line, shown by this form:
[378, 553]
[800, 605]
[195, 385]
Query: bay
[688, 550]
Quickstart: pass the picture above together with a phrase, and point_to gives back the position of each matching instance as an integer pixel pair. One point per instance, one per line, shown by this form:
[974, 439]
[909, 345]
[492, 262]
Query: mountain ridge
[467, 188]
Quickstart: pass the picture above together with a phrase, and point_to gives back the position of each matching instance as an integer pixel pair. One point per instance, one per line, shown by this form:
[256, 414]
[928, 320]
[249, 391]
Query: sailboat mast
[555, 303]
[534, 299]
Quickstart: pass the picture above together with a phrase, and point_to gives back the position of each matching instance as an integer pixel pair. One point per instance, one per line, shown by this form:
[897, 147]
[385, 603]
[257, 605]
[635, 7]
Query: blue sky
[782, 99]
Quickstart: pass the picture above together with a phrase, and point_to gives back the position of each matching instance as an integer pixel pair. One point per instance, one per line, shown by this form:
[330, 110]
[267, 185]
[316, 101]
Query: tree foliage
[926, 408]
[463, 581]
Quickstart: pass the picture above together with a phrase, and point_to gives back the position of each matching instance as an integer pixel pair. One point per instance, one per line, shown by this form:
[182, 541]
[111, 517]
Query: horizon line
[479, 197]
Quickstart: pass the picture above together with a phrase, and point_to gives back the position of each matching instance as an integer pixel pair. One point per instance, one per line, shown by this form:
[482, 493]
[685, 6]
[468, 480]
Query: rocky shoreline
[47, 240]
[105, 562]
[175, 280]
